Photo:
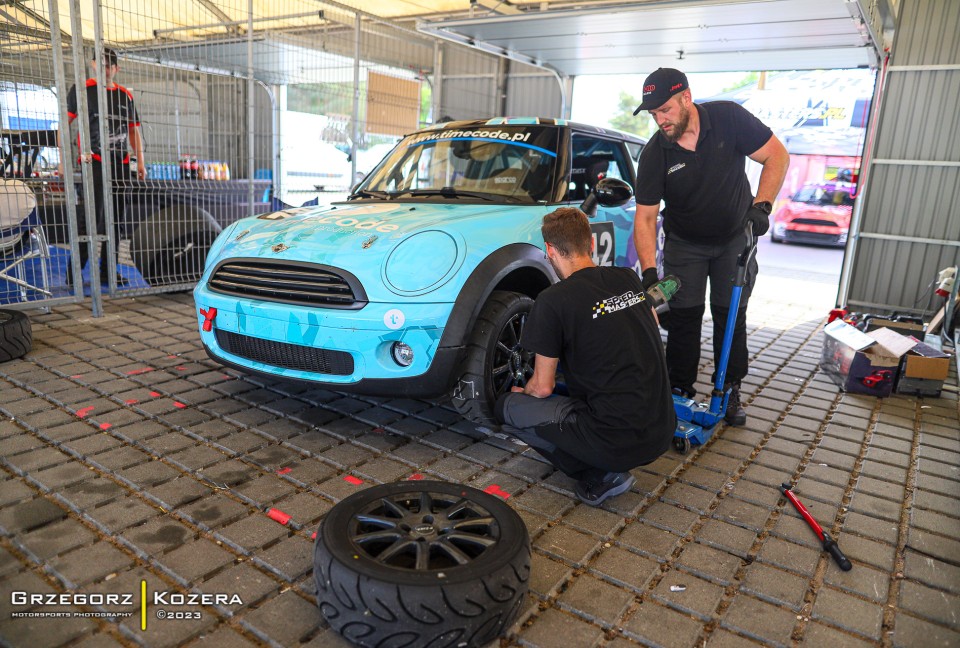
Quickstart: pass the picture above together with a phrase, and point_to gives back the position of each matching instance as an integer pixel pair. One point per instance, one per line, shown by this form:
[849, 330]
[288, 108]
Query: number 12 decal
[603, 243]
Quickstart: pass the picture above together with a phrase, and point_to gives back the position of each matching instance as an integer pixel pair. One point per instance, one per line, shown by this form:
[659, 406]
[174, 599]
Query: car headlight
[422, 262]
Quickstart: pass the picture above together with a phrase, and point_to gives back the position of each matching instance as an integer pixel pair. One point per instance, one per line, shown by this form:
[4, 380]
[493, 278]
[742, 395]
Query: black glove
[760, 219]
[649, 277]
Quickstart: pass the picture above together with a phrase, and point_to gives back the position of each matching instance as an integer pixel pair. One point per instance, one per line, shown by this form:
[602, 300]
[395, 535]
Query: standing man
[695, 163]
[122, 128]
[598, 323]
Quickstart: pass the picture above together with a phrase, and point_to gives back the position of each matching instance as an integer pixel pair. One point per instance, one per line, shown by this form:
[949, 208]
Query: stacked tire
[16, 334]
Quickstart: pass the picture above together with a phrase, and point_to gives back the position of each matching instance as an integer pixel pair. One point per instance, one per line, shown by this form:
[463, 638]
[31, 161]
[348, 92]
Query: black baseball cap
[660, 86]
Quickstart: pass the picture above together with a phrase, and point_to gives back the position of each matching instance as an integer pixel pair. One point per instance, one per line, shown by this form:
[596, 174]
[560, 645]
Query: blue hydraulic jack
[696, 422]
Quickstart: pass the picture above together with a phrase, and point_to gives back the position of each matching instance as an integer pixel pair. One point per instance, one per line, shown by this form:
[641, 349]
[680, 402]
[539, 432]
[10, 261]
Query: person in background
[695, 163]
[597, 323]
[123, 134]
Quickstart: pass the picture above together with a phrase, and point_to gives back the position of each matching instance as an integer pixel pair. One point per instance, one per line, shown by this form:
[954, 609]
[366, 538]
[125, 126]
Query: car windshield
[492, 163]
[816, 195]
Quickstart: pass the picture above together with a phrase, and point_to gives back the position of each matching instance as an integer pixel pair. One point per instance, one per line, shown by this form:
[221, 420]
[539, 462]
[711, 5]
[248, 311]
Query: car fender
[483, 280]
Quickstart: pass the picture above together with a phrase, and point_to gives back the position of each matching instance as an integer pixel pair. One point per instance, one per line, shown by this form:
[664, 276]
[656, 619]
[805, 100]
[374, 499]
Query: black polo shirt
[599, 323]
[706, 191]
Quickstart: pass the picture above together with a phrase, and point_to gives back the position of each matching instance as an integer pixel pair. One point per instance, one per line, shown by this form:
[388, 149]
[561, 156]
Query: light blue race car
[419, 284]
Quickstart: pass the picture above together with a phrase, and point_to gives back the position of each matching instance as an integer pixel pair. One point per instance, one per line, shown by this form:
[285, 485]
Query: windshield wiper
[453, 192]
[369, 193]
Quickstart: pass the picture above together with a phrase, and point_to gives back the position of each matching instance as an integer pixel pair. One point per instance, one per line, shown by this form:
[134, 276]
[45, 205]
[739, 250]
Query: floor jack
[696, 422]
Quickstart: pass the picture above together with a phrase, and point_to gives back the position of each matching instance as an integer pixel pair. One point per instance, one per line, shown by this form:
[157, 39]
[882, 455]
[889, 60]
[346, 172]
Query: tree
[641, 125]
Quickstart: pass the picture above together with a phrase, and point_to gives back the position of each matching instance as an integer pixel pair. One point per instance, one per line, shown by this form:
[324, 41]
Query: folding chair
[24, 253]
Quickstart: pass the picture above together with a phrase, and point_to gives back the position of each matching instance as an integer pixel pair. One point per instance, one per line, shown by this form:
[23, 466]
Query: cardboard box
[863, 363]
[924, 370]
[909, 329]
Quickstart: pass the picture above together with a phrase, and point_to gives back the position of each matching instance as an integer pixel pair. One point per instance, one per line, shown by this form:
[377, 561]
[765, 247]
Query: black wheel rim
[423, 531]
[512, 365]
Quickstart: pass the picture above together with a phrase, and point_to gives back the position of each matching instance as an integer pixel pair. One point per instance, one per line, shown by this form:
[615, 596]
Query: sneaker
[613, 484]
[735, 415]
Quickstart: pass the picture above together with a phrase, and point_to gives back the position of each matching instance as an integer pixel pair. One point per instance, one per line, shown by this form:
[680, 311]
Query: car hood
[359, 237]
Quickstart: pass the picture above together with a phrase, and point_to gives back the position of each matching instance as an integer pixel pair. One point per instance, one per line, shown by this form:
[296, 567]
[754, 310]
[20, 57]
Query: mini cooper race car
[420, 283]
[818, 213]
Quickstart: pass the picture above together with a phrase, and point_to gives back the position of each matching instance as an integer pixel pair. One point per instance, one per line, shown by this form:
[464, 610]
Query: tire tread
[16, 335]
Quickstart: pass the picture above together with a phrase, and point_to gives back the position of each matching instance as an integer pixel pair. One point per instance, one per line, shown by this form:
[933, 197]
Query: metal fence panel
[241, 106]
[37, 227]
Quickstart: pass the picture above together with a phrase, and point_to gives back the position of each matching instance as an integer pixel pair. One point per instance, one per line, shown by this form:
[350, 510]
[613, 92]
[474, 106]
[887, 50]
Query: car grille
[308, 284]
[797, 236]
[288, 356]
[814, 221]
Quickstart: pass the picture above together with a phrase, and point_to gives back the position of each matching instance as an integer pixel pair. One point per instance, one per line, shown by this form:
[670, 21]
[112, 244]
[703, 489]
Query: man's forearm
[645, 239]
[774, 171]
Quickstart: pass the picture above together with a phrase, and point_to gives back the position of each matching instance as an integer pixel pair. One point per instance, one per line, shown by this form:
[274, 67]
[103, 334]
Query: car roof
[528, 121]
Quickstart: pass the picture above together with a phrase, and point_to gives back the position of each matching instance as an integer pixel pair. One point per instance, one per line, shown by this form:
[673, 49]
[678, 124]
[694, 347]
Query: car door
[594, 157]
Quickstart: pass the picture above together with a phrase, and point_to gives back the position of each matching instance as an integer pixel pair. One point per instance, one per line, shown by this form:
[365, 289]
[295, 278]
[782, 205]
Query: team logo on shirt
[614, 304]
[676, 167]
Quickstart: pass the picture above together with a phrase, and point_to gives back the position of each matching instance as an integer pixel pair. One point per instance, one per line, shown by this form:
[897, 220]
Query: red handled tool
[829, 544]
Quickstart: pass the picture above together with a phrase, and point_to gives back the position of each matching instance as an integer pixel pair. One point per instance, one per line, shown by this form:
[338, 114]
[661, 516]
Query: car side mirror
[609, 192]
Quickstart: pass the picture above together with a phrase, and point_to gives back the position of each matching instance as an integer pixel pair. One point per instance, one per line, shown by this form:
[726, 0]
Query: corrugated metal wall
[910, 212]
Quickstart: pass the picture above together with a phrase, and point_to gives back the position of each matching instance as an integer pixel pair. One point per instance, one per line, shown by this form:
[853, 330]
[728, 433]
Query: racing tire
[171, 245]
[494, 361]
[421, 563]
[16, 334]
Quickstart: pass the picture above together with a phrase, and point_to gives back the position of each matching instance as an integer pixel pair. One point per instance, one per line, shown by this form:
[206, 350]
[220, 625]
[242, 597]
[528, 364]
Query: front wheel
[494, 360]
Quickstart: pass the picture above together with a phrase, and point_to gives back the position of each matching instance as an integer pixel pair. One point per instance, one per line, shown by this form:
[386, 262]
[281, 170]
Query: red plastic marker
[829, 544]
[493, 489]
[278, 516]
[350, 479]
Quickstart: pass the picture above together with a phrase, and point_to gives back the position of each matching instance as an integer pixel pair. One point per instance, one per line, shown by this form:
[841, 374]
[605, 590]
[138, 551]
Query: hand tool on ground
[696, 422]
[829, 544]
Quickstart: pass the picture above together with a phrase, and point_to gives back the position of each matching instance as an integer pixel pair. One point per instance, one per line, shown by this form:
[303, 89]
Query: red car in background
[817, 213]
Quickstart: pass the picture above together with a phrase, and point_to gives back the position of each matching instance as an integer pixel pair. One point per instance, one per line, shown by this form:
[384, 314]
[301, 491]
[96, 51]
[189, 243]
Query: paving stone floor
[126, 455]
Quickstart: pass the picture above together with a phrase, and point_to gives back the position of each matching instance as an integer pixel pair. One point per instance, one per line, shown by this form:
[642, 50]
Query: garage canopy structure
[699, 36]
[488, 57]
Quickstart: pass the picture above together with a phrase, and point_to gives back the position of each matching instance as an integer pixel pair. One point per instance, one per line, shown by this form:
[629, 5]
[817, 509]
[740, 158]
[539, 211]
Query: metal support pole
[866, 164]
[106, 165]
[355, 130]
[251, 110]
[437, 81]
[70, 191]
[90, 209]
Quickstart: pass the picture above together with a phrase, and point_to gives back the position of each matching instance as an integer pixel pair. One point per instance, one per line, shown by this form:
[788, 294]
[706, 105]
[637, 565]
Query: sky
[596, 98]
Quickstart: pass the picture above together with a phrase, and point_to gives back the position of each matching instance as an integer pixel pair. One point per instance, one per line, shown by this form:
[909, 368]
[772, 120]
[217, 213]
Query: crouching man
[598, 326]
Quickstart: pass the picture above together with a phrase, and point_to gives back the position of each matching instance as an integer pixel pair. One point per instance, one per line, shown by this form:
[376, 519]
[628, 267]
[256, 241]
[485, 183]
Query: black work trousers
[694, 264]
[532, 419]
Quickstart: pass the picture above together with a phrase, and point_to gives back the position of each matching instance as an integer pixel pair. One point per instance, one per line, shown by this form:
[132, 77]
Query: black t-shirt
[122, 115]
[706, 191]
[598, 323]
